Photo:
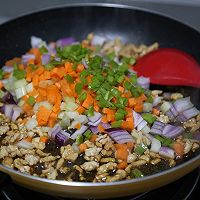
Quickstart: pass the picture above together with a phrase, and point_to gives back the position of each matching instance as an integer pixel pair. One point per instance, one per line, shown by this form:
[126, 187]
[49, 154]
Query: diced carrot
[122, 165]
[52, 94]
[79, 68]
[138, 108]
[127, 94]
[89, 78]
[10, 63]
[119, 146]
[46, 75]
[142, 97]
[155, 111]
[130, 145]
[61, 72]
[121, 89]
[42, 92]
[108, 111]
[36, 52]
[28, 76]
[21, 66]
[33, 93]
[122, 154]
[27, 107]
[80, 109]
[132, 102]
[104, 119]
[52, 119]
[31, 61]
[101, 128]
[83, 147]
[35, 80]
[44, 139]
[178, 148]
[93, 138]
[28, 139]
[78, 126]
[58, 85]
[110, 117]
[39, 70]
[43, 115]
[68, 67]
[96, 106]
[25, 97]
[1, 85]
[88, 101]
[56, 108]
[127, 125]
[6, 75]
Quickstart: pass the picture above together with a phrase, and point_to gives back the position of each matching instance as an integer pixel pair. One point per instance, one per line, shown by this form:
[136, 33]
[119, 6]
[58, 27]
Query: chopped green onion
[69, 78]
[88, 134]
[136, 173]
[127, 85]
[133, 78]
[82, 97]
[31, 101]
[158, 137]
[19, 74]
[90, 111]
[115, 92]
[168, 142]
[140, 149]
[1, 74]
[116, 124]
[149, 118]
[78, 88]
[129, 61]
[43, 50]
[111, 55]
[33, 67]
[79, 139]
[149, 99]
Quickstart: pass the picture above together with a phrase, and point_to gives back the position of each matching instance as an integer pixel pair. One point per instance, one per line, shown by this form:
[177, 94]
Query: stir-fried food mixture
[77, 111]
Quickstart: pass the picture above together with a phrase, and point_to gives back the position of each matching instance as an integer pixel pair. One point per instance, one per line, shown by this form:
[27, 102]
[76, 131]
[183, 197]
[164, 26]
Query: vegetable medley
[77, 111]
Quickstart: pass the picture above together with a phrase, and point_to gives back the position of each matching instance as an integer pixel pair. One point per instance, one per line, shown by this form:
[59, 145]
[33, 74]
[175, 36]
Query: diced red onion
[95, 117]
[167, 152]
[65, 41]
[8, 98]
[35, 42]
[9, 110]
[95, 123]
[25, 144]
[197, 135]
[98, 40]
[60, 139]
[94, 129]
[157, 100]
[119, 135]
[157, 128]
[170, 115]
[27, 57]
[144, 82]
[52, 132]
[7, 69]
[183, 104]
[16, 113]
[137, 118]
[180, 118]
[174, 111]
[191, 112]
[79, 132]
[141, 125]
[171, 131]
[155, 145]
[105, 125]
[46, 59]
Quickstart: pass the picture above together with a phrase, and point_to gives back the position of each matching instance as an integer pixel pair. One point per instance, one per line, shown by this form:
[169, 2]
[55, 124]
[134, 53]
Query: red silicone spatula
[168, 66]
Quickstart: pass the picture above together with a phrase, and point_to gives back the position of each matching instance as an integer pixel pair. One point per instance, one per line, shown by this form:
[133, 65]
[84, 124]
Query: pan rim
[87, 184]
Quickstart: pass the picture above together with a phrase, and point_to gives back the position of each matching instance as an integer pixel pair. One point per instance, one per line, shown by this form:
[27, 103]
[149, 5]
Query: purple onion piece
[95, 123]
[170, 115]
[141, 125]
[79, 132]
[98, 40]
[2, 109]
[167, 152]
[9, 110]
[157, 100]
[35, 41]
[16, 113]
[95, 118]
[27, 57]
[197, 135]
[94, 129]
[124, 140]
[8, 98]
[52, 132]
[144, 82]
[182, 104]
[191, 112]
[137, 118]
[157, 128]
[60, 139]
[46, 59]
[105, 125]
[65, 41]
[181, 118]
[174, 111]
[171, 131]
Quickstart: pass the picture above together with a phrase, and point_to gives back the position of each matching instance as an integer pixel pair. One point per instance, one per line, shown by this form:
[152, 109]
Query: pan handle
[7, 189]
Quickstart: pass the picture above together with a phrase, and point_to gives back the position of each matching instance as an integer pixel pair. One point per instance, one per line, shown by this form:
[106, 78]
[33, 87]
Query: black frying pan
[132, 25]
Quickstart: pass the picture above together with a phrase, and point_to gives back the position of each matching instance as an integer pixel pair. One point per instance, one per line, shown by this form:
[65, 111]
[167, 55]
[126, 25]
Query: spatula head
[168, 66]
